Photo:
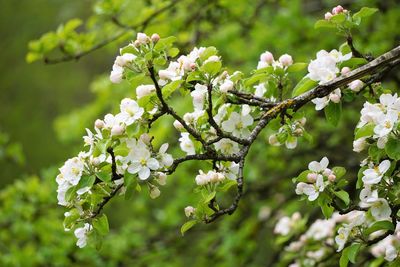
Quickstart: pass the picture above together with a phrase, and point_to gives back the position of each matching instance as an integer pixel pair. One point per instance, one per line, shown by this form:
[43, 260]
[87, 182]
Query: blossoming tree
[229, 111]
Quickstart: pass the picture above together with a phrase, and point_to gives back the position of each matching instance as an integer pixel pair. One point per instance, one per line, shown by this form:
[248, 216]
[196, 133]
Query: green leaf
[349, 254]
[86, 181]
[208, 52]
[366, 130]
[392, 148]
[303, 176]
[322, 23]
[101, 224]
[343, 195]
[101, 147]
[297, 67]
[381, 225]
[364, 12]
[170, 88]
[376, 153]
[303, 86]
[339, 171]
[173, 52]
[212, 67]
[104, 176]
[164, 43]
[209, 197]
[338, 18]
[187, 225]
[228, 185]
[360, 176]
[333, 112]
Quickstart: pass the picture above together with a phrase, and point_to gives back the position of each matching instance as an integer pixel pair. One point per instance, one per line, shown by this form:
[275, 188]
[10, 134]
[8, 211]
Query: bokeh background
[44, 109]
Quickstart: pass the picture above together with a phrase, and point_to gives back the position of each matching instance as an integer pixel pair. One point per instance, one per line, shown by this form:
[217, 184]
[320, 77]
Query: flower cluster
[117, 150]
[267, 59]
[378, 122]
[335, 11]
[389, 247]
[126, 59]
[288, 133]
[317, 178]
[286, 224]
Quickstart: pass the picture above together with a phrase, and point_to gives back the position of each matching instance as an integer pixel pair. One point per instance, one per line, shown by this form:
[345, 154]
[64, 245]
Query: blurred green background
[45, 109]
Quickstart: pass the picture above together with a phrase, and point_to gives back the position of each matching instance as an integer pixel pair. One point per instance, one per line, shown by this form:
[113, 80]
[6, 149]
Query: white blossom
[237, 123]
[144, 90]
[187, 144]
[82, 234]
[141, 160]
[374, 175]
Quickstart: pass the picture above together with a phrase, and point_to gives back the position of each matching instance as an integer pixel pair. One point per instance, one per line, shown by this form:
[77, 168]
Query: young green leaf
[187, 225]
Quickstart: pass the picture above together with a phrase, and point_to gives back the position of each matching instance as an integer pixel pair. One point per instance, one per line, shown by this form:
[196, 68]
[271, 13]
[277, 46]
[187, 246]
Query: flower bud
[328, 15]
[356, 85]
[226, 86]
[117, 130]
[142, 38]
[312, 177]
[154, 192]
[338, 9]
[345, 70]
[145, 138]
[155, 37]
[136, 43]
[161, 178]
[298, 132]
[99, 124]
[178, 126]
[331, 177]
[95, 161]
[267, 57]
[327, 172]
[144, 90]
[286, 60]
[303, 121]
[189, 211]
[273, 140]
[334, 98]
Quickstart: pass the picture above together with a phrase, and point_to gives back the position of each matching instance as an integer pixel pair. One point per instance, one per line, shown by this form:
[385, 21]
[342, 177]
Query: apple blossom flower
[356, 85]
[227, 146]
[141, 161]
[187, 144]
[374, 175]
[189, 211]
[144, 90]
[199, 94]
[116, 74]
[165, 158]
[286, 60]
[237, 123]
[82, 234]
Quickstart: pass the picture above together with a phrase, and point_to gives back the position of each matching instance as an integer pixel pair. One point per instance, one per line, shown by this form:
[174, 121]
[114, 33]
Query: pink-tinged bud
[312, 177]
[155, 37]
[136, 43]
[327, 172]
[117, 130]
[345, 70]
[356, 85]
[142, 38]
[328, 15]
[332, 178]
[192, 66]
[178, 126]
[99, 124]
[334, 98]
[267, 57]
[286, 60]
[338, 9]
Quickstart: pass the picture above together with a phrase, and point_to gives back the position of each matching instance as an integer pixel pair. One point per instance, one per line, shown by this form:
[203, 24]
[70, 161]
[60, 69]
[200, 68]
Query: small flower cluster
[288, 134]
[389, 247]
[126, 60]
[286, 224]
[267, 59]
[318, 177]
[324, 69]
[379, 121]
[335, 11]
[89, 172]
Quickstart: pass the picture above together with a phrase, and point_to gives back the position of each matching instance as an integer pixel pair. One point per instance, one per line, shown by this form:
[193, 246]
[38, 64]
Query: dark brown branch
[106, 199]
